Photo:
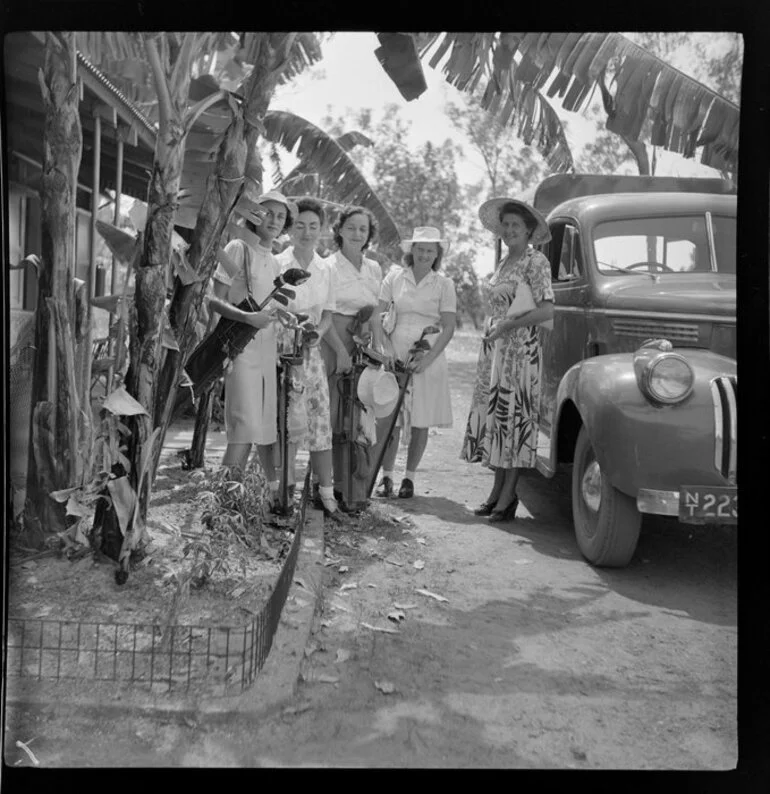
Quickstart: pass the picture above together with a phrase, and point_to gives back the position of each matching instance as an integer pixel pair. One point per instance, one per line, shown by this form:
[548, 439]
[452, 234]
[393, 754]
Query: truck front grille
[724, 393]
[676, 333]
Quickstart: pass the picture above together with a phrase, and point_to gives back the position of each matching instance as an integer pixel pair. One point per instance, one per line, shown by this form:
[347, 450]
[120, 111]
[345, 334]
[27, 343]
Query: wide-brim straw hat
[489, 213]
[425, 234]
[378, 389]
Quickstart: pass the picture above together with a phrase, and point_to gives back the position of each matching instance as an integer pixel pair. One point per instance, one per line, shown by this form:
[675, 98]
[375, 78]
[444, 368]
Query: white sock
[387, 474]
[326, 493]
[410, 475]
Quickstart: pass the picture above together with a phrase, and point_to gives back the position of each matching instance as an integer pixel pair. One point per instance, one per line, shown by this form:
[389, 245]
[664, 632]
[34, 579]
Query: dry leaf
[393, 562]
[327, 679]
[432, 595]
[422, 540]
[378, 628]
[297, 709]
[419, 564]
[405, 606]
[299, 581]
[343, 569]
[369, 584]
[120, 402]
[385, 687]
[342, 655]
[349, 586]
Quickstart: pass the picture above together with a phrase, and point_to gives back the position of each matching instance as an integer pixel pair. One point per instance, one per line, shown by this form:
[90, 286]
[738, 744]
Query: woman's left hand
[497, 330]
[421, 364]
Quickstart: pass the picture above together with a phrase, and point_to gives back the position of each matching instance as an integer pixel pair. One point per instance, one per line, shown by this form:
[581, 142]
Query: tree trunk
[222, 190]
[150, 294]
[639, 151]
[57, 421]
[202, 421]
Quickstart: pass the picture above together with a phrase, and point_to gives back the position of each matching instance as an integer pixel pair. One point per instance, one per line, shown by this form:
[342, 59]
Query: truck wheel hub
[591, 486]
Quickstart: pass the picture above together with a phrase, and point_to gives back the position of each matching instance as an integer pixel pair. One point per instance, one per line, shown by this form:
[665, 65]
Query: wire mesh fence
[225, 659]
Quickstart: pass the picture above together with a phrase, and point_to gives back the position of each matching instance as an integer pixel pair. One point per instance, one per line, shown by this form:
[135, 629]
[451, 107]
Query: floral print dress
[502, 426]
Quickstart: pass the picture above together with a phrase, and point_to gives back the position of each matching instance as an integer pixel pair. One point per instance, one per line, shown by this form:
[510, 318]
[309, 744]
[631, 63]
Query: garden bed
[69, 619]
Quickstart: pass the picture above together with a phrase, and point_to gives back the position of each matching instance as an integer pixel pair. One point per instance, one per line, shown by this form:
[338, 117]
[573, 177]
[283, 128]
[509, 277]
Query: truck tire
[607, 521]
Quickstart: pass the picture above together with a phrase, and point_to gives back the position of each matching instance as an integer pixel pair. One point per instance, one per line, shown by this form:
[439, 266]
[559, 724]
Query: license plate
[706, 505]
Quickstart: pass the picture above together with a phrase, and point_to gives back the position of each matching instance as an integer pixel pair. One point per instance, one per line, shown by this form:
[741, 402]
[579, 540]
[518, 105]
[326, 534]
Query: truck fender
[591, 386]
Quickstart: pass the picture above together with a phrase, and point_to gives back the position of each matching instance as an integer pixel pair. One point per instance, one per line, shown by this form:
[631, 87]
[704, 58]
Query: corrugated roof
[99, 75]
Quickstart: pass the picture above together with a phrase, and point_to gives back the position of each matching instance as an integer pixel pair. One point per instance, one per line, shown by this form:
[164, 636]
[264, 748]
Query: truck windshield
[676, 244]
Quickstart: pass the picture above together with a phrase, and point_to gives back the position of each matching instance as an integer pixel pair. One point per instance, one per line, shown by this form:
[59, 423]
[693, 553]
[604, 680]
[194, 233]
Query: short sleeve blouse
[354, 288]
[434, 295]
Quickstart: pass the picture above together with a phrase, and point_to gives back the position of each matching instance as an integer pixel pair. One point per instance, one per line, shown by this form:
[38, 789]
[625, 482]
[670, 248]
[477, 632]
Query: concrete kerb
[275, 685]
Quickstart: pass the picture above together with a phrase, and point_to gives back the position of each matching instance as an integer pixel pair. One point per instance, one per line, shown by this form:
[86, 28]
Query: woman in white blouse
[316, 299]
[421, 296]
[356, 283]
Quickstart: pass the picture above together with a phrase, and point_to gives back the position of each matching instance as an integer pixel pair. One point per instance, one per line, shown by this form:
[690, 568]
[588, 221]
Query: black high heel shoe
[485, 508]
[508, 514]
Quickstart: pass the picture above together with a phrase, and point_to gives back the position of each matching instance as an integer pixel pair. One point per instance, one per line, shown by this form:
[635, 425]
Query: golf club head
[310, 337]
[281, 298]
[287, 292]
[302, 318]
[430, 329]
[294, 276]
[286, 319]
[420, 344]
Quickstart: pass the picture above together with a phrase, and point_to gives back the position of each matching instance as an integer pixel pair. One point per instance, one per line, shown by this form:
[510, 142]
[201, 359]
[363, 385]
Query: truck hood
[694, 293]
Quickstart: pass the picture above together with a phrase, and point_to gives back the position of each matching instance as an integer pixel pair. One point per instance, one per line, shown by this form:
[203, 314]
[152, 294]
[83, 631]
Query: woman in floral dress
[316, 299]
[502, 427]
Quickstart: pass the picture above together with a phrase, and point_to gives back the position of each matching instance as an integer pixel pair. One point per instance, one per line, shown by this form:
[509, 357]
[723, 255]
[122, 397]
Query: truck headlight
[668, 378]
[663, 375]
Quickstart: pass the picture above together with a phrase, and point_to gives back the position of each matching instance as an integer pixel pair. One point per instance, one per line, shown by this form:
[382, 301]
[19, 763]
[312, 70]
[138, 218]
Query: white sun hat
[425, 234]
[378, 389]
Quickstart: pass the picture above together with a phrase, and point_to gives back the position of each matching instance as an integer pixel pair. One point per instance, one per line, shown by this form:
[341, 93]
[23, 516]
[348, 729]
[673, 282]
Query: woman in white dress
[356, 283]
[316, 299]
[251, 385]
[421, 296]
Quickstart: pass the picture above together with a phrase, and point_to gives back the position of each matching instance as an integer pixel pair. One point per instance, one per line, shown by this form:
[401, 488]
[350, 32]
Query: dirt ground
[516, 654]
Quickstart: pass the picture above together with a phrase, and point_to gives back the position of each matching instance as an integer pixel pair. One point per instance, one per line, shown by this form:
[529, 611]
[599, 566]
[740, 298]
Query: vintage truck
[639, 379]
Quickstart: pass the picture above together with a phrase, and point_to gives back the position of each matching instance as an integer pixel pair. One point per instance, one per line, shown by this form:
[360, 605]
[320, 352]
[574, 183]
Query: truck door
[565, 344]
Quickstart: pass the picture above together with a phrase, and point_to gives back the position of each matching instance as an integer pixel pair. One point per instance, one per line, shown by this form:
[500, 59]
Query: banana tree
[325, 167]
[60, 424]
[229, 130]
[650, 100]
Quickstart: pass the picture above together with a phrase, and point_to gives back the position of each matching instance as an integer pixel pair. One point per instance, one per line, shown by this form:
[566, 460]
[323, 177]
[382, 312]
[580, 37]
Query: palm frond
[349, 140]
[651, 99]
[322, 154]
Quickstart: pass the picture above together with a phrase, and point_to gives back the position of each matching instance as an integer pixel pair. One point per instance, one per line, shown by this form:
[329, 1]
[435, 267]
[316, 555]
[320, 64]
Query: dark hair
[348, 212]
[309, 204]
[530, 221]
[409, 259]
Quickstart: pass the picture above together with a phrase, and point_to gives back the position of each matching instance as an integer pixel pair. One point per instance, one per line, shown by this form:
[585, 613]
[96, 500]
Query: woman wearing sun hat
[502, 427]
[419, 296]
[250, 385]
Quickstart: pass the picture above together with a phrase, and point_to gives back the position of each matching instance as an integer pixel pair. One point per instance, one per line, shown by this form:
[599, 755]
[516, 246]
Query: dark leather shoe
[406, 491]
[485, 509]
[508, 514]
[386, 488]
